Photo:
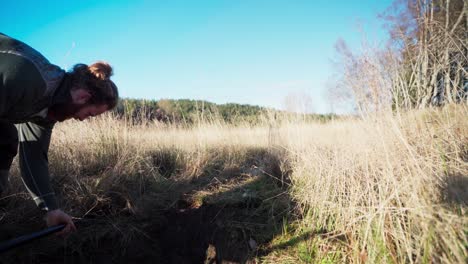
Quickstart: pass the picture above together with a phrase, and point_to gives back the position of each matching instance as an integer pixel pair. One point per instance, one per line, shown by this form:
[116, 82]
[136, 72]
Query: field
[390, 188]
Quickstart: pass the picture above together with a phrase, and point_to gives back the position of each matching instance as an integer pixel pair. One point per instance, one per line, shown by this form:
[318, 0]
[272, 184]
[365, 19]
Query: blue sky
[242, 51]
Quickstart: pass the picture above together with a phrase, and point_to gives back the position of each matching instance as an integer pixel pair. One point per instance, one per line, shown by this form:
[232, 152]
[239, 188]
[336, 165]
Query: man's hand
[57, 217]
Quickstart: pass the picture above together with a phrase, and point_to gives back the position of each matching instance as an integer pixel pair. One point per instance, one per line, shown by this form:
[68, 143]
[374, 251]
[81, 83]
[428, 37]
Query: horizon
[264, 53]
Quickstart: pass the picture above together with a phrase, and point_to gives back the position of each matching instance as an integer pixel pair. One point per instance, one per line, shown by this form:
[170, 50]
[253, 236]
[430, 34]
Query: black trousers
[8, 144]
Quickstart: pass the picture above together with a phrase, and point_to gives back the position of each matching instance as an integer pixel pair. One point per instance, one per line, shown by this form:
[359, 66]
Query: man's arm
[34, 141]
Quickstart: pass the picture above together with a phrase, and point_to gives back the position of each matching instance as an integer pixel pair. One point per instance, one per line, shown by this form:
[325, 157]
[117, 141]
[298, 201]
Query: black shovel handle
[10, 244]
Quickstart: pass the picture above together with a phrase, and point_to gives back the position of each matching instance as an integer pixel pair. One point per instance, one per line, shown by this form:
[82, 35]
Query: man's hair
[95, 79]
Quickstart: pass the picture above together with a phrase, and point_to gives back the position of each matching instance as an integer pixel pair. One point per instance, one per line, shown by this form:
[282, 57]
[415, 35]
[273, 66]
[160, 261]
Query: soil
[242, 211]
[211, 233]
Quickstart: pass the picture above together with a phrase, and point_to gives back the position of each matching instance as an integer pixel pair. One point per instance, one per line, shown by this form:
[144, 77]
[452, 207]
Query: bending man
[34, 95]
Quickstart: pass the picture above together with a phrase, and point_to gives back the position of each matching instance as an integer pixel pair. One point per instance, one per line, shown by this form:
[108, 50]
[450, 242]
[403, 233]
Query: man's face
[78, 108]
[89, 111]
[63, 112]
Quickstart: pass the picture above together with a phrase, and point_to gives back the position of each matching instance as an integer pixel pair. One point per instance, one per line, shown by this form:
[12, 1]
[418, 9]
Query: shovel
[16, 242]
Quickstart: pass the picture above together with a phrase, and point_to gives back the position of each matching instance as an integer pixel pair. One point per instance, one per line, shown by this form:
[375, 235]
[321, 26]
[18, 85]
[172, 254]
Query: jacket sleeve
[34, 141]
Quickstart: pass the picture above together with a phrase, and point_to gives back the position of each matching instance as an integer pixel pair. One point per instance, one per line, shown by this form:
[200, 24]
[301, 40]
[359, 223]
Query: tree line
[186, 111]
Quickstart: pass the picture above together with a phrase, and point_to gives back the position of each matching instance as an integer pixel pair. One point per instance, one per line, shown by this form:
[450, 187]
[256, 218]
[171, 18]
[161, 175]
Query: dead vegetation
[382, 189]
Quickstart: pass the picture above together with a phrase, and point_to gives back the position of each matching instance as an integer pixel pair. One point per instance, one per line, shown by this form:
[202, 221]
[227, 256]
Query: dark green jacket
[29, 85]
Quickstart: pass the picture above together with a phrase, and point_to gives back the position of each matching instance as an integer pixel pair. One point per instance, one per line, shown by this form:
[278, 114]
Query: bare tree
[298, 102]
[425, 63]
[433, 43]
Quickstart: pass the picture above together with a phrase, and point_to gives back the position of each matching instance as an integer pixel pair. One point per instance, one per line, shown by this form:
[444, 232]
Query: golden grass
[383, 189]
[395, 187]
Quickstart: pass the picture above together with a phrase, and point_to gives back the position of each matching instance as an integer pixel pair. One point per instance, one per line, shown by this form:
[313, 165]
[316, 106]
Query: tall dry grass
[394, 188]
[385, 189]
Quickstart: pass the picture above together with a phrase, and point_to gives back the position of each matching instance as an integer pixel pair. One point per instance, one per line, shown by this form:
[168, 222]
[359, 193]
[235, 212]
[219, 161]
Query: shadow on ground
[455, 190]
[227, 214]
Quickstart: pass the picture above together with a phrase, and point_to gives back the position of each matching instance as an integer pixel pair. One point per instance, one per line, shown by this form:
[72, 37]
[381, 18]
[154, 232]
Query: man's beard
[63, 111]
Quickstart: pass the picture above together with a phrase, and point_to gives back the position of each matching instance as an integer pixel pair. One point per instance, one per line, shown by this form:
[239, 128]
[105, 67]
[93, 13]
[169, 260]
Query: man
[34, 95]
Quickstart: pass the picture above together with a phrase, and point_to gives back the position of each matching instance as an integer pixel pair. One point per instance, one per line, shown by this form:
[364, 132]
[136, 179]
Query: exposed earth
[224, 217]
